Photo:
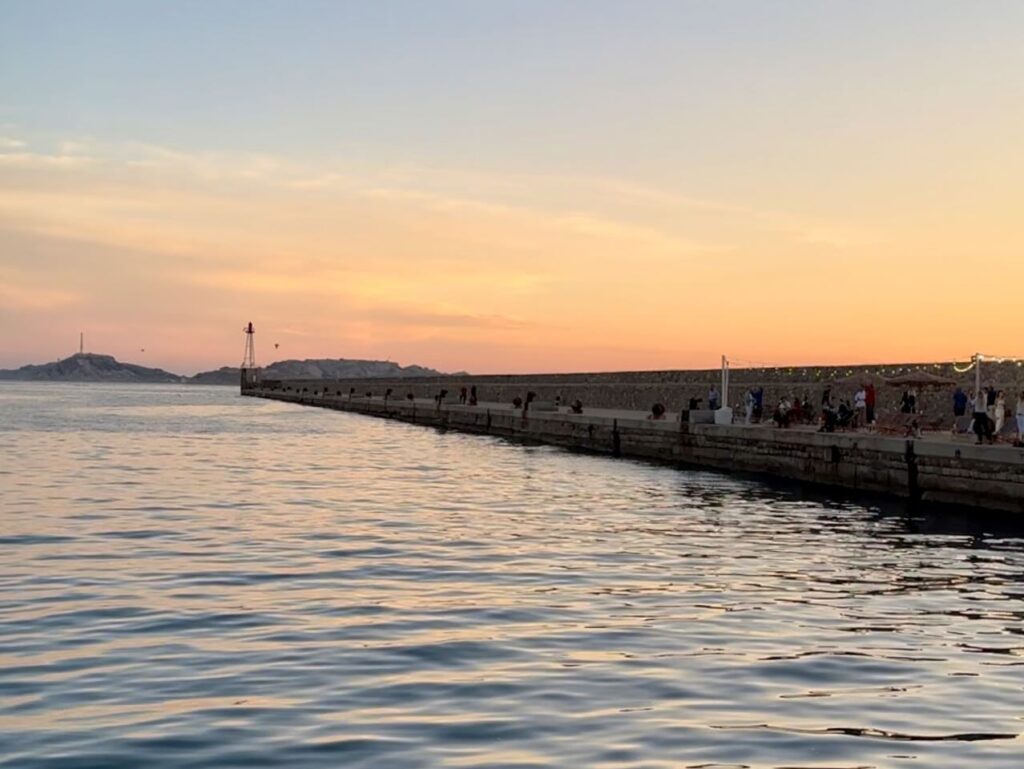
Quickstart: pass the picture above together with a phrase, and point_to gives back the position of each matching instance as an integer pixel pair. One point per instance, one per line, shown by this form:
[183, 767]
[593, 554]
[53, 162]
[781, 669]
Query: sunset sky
[512, 185]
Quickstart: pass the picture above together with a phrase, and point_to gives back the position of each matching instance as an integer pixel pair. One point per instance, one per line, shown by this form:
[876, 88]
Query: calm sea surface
[193, 579]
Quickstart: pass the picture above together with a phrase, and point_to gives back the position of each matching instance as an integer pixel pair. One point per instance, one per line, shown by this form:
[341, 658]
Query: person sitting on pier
[576, 407]
[530, 398]
[657, 412]
[844, 416]
[796, 412]
[828, 418]
[694, 404]
[808, 410]
[517, 402]
[781, 415]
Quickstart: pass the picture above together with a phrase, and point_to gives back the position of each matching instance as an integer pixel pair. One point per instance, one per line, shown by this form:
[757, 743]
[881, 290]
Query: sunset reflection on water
[192, 578]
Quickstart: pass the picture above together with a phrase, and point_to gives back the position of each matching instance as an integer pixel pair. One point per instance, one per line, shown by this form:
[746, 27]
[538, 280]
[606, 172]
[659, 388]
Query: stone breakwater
[638, 390]
[922, 471]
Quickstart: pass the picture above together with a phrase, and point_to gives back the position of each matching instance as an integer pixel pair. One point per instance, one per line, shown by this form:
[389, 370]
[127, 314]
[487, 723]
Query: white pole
[724, 399]
[977, 374]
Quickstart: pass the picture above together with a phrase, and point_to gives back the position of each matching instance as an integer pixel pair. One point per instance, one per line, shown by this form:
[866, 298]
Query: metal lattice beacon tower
[250, 374]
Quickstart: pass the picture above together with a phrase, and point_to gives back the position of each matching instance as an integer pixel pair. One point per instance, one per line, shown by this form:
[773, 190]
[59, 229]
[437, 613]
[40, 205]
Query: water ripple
[193, 579]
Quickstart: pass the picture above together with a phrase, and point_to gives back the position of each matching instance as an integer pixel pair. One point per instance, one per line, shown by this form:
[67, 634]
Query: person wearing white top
[750, 405]
[1000, 412]
[860, 405]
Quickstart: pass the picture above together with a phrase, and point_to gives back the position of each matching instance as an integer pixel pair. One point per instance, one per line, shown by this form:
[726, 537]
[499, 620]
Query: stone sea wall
[640, 389]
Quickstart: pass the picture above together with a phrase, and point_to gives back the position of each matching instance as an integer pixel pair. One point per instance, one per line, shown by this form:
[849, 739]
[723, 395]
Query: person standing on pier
[1000, 411]
[959, 402]
[982, 425]
[860, 406]
[1020, 417]
[871, 398]
[749, 401]
[908, 403]
[713, 398]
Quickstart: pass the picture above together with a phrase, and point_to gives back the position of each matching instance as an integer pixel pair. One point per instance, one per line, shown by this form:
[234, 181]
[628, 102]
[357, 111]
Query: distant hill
[222, 376]
[88, 367]
[341, 368]
[319, 368]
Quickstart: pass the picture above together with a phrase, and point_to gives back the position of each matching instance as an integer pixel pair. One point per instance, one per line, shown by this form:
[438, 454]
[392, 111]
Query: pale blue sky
[655, 89]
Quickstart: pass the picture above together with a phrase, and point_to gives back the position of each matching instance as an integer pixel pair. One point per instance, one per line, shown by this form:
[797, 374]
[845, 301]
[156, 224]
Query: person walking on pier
[1000, 412]
[982, 425]
[1020, 417]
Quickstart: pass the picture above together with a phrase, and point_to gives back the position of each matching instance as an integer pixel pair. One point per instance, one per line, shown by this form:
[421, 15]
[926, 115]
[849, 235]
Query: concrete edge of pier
[920, 471]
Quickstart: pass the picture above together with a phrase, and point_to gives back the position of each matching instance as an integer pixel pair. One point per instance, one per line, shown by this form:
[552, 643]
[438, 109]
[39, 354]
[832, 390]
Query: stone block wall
[640, 389]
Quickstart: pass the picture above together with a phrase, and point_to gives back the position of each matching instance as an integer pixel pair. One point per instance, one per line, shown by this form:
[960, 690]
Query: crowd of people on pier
[984, 413]
[986, 409]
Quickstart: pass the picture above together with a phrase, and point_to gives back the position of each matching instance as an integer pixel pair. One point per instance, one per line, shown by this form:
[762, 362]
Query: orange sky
[854, 218]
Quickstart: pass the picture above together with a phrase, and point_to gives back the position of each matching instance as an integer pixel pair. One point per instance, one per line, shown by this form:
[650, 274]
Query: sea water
[189, 578]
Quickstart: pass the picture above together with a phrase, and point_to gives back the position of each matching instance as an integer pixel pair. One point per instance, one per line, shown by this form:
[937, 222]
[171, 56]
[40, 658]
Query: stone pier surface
[933, 470]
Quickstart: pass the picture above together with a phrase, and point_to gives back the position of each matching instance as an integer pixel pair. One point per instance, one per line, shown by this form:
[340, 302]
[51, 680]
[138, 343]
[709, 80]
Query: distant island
[91, 367]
